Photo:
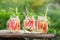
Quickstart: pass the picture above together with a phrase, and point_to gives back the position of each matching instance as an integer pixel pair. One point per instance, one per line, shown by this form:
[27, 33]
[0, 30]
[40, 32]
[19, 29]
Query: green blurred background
[35, 8]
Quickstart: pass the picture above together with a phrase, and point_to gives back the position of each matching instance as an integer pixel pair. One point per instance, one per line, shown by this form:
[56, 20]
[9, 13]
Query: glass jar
[29, 24]
[14, 24]
[42, 24]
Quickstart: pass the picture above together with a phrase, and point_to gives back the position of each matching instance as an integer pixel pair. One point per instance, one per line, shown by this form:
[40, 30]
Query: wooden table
[21, 36]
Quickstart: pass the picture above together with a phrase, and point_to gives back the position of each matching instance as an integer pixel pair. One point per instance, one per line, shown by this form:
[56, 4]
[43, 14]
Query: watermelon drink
[14, 24]
[29, 24]
[42, 25]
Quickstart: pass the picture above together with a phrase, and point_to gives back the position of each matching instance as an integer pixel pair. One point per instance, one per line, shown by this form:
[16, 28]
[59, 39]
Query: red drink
[14, 24]
[29, 23]
[42, 25]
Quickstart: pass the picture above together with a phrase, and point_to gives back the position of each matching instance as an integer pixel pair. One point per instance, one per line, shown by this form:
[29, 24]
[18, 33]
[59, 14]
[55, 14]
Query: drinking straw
[46, 13]
[27, 13]
[16, 10]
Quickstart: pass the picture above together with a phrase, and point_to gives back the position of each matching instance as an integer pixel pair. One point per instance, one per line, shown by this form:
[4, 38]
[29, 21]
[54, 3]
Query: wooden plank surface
[7, 34]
